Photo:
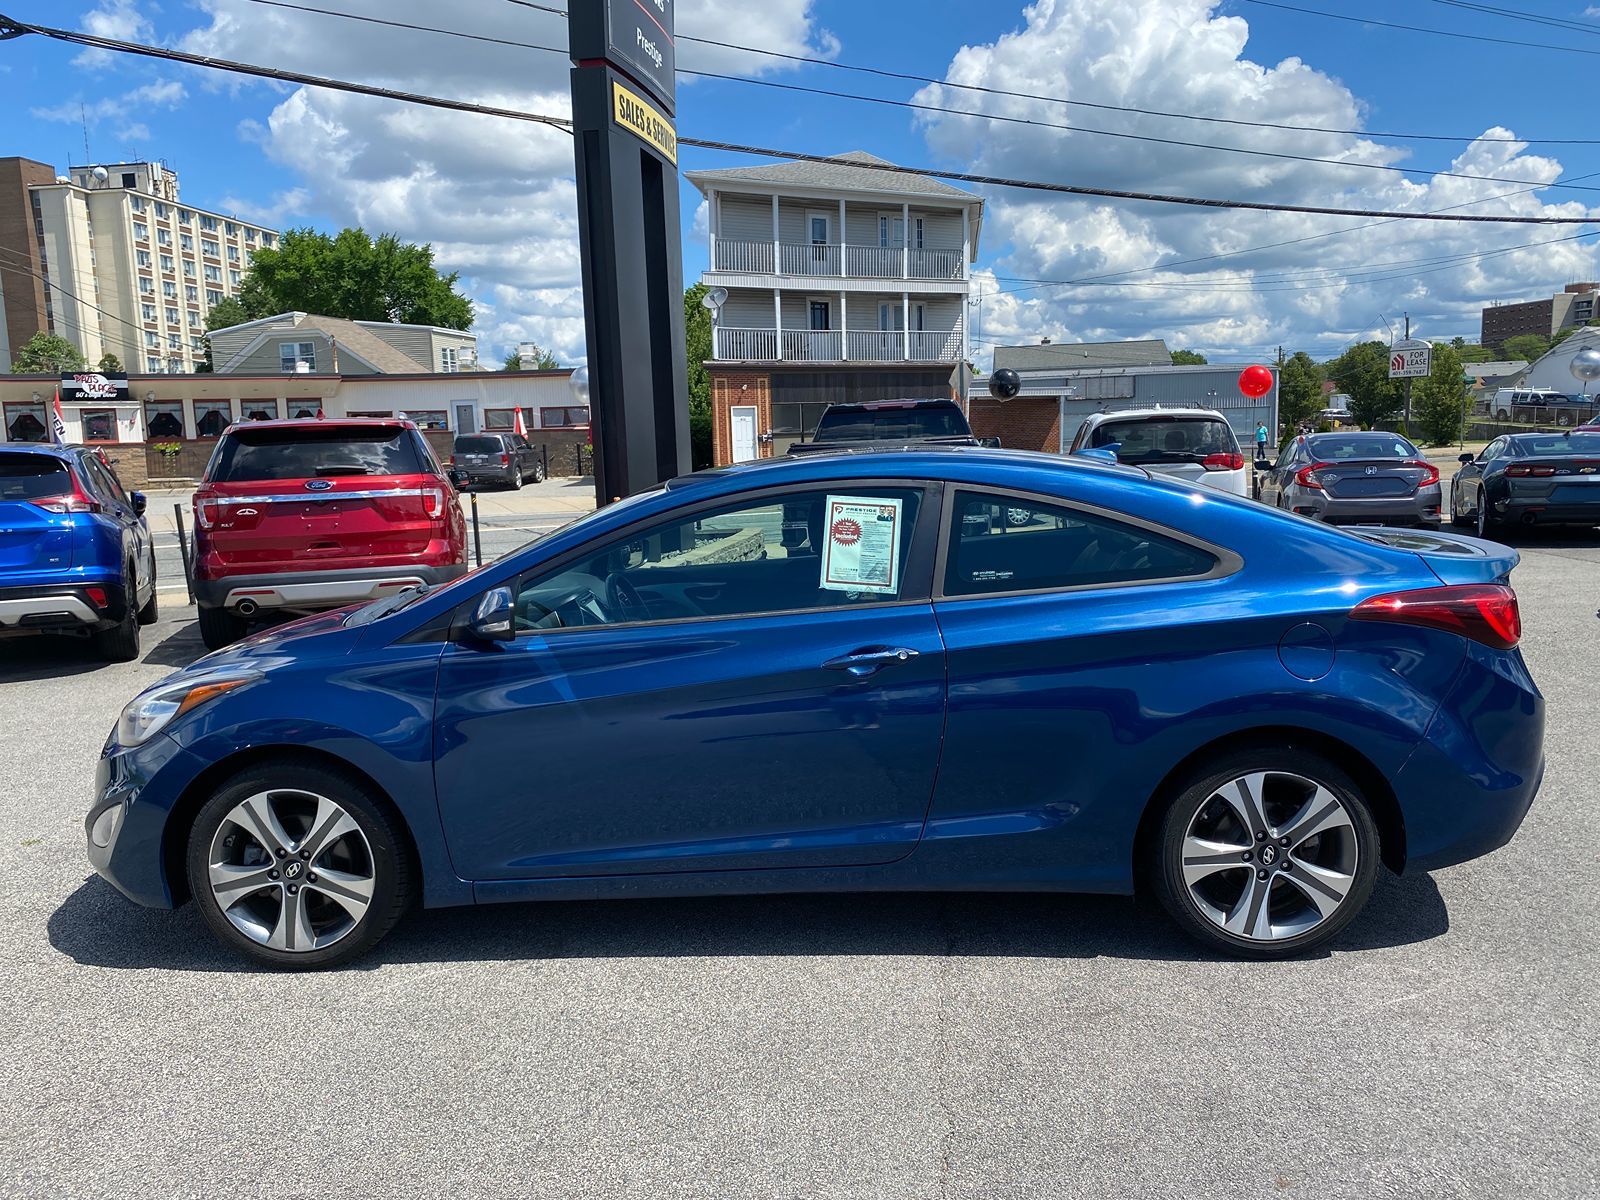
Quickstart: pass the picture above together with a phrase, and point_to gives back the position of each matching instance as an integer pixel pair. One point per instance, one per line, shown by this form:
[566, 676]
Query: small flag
[57, 425]
[321, 416]
[519, 428]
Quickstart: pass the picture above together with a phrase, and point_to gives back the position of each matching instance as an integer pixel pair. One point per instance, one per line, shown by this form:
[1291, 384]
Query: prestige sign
[93, 385]
[639, 39]
[640, 118]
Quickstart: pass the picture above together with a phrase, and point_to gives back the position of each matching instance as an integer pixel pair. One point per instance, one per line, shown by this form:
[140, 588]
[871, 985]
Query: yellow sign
[638, 117]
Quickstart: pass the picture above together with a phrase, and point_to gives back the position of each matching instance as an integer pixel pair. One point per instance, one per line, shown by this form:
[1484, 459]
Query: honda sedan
[846, 673]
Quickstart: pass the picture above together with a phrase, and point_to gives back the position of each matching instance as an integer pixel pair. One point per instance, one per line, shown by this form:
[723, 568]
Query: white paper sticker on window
[862, 551]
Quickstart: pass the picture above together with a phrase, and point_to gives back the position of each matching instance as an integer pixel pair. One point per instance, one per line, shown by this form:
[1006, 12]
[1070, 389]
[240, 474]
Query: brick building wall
[1512, 320]
[732, 388]
[24, 309]
[1020, 424]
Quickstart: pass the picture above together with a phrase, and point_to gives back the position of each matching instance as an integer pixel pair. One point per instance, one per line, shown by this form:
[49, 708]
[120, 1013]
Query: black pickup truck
[876, 424]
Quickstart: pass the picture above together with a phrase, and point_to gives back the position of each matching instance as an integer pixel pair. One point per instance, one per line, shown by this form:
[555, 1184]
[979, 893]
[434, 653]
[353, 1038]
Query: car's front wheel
[298, 866]
[516, 478]
[1267, 853]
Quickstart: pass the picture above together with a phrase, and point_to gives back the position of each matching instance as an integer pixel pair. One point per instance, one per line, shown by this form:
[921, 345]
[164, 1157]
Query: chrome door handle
[870, 659]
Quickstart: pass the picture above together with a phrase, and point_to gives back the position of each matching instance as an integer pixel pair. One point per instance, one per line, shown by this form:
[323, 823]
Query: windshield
[891, 424]
[302, 453]
[1340, 447]
[1167, 439]
[478, 445]
[1559, 443]
[30, 476]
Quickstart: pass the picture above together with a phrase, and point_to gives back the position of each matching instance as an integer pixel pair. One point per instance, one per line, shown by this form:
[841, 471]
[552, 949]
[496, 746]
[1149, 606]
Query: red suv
[299, 516]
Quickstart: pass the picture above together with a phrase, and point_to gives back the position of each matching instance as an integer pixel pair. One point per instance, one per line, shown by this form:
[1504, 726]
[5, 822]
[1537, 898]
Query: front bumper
[135, 790]
[309, 591]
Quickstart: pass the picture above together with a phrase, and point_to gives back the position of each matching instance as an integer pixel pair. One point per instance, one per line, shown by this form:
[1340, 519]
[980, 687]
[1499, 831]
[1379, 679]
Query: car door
[1469, 479]
[697, 694]
[1069, 639]
[1282, 474]
[118, 507]
[527, 455]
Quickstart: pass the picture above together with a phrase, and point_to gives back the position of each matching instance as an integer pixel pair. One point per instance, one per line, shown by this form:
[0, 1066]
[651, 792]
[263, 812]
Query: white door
[466, 418]
[744, 433]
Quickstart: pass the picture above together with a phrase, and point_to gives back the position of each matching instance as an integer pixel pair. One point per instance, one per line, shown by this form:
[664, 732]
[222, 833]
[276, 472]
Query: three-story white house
[844, 282]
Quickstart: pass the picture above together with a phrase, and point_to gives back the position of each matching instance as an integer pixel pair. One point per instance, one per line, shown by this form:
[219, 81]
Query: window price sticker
[862, 548]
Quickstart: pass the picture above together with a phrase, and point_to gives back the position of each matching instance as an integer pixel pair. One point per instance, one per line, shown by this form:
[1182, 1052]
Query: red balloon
[1255, 382]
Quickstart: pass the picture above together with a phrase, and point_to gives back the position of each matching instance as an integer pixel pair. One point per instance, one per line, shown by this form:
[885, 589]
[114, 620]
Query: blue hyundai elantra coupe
[972, 669]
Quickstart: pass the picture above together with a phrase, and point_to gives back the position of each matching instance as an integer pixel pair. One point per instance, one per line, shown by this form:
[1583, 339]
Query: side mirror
[1466, 458]
[492, 619]
[989, 443]
[1107, 454]
[140, 503]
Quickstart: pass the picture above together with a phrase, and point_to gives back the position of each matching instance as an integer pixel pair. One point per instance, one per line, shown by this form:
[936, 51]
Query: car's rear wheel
[1267, 853]
[219, 628]
[120, 643]
[298, 866]
[151, 612]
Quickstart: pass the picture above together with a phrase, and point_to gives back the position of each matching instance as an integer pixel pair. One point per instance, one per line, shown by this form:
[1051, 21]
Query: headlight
[152, 710]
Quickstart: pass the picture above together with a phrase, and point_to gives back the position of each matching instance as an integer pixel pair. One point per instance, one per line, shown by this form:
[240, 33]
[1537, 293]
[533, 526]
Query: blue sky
[496, 199]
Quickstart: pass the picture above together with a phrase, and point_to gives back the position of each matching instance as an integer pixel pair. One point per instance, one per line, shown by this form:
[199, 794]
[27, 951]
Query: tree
[1469, 353]
[47, 354]
[1439, 402]
[231, 311]
[1362, 373]
[354, 276]
[1525, 347]
[1188, 358]
[109, 364]
[1299, 390]
[697, 350]
[540, 360]
[1563, 335]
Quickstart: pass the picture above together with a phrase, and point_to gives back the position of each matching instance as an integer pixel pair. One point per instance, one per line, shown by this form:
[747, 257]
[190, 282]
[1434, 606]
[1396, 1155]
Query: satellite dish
[715, 298]
[1005, 384]
[101, 174]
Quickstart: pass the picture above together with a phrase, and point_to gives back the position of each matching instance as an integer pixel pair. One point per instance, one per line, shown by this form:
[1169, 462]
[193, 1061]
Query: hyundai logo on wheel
[318, 485]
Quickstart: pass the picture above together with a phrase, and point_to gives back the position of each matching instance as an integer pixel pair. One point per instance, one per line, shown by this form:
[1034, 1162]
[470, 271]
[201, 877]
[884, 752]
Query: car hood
[322, 634]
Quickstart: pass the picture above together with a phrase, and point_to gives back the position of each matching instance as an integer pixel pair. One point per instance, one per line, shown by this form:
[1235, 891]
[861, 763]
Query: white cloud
[1178, 56]
[120, 19]
[495, 197]
[164, 93]
[283, 210]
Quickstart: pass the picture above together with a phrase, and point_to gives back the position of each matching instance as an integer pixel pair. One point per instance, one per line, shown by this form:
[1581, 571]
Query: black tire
[1484, 522]
[393, 875]
[1457, 518]
[516, 478]
[1166, 869]
[220, 628]
[120, 643]
[538, 472]
[151, 612]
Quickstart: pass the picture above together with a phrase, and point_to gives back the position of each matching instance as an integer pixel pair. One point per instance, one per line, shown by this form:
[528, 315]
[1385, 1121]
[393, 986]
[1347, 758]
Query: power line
[1561, 23]
[912, 77]
[471, 37]
[1449, 33]
[11, 28]
[122, 339]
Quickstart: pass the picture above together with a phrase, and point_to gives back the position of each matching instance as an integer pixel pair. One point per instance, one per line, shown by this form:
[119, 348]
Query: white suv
[1196, 445]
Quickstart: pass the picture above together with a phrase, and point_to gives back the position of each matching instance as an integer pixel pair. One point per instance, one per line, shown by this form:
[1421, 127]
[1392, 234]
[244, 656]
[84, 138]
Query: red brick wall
[1020, 424]
[738, 387]
[24, 308]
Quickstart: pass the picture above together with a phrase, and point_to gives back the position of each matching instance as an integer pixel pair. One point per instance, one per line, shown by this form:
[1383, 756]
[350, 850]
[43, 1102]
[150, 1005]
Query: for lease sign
[1410, 360]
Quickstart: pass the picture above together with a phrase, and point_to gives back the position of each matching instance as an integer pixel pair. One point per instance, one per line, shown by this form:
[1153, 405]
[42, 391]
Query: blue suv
[76, 554]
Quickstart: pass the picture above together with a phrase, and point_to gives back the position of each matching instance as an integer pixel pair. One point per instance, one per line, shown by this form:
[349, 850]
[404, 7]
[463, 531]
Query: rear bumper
[309, 591]
[1421, 509]
[45, 607]
[487, 474]
[1542, 512]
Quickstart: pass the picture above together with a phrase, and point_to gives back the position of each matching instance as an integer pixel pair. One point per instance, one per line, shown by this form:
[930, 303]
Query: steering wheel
[624, 599]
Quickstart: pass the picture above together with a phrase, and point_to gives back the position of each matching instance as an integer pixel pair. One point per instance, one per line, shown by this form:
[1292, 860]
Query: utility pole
[1408, 381]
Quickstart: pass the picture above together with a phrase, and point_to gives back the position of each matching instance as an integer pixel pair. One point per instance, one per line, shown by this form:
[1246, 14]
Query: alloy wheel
[1270, 856]
[1483, 515]
[291, 870]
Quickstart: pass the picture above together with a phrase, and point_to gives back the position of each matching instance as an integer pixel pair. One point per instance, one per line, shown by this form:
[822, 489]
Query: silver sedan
[1355, 479]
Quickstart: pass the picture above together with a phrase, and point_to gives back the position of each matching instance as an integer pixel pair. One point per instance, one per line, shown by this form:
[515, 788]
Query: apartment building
[110, 258]
[842, 282]
[1575, 304]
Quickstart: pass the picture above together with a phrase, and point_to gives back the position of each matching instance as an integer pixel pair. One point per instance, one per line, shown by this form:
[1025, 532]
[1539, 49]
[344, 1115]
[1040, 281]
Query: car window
[32, 476]
[1559, 443]
[102, 481]
[1176, 439]
[820, 548]
[303, 453]
[478, 445]
[1003, 544]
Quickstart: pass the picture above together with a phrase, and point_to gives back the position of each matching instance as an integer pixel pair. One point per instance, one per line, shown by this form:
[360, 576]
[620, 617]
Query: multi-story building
[1576, 304]
[302, 343]
[109, 258]
[843, 282]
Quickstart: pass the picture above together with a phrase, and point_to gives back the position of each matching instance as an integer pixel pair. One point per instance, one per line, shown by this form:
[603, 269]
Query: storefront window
[211, 417]
[563, 418]
[260, 410]
[499, 418]
[304, 408]
[25, 423]
[163, 419]
[429, 418]
[99, 425]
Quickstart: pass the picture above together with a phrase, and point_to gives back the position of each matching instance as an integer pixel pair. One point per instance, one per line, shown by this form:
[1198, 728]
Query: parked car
[1192, 444]
[506, 458]
[873, 424]
[1356, 478]
[1529, 479]
[297, 516]
[76, 555]
[672, 696]
[1540, 405]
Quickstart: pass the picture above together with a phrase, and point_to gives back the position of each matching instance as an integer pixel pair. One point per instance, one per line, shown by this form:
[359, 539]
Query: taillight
[1307, 477]
[205, 513]
[1520, 469]
[1484, 612]
[1431, 472]
[432, 502]
[77, 502]
[1223, 462]
[505, 460]
[97, 596]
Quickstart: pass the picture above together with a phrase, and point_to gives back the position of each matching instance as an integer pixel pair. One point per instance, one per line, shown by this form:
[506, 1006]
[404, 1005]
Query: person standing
[1261, 441]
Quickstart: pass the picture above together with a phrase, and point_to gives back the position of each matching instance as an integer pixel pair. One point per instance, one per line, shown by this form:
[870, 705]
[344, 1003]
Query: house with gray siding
[843, 281]
[303, 343]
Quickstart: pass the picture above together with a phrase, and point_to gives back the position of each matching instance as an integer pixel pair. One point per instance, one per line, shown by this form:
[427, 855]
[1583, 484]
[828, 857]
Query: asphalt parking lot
[877, 1046]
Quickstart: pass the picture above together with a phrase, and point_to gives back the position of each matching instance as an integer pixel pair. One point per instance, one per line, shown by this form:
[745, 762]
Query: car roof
[46, 448]
[921, 462]
[1152, 414]
[324, 423]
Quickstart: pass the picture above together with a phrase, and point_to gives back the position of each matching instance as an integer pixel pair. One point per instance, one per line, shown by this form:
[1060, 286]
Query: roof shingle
[835, 175]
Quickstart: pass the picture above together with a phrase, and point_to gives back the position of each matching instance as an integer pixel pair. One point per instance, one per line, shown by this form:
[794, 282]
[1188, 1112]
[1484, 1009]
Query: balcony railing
[833, 345]
[837, 261]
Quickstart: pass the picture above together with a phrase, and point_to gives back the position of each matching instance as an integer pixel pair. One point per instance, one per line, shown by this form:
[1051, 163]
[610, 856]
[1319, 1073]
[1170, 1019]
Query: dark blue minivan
[76, 554]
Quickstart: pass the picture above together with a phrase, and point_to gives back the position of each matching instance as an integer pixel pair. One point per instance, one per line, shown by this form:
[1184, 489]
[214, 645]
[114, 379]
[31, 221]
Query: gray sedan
[1357, 479]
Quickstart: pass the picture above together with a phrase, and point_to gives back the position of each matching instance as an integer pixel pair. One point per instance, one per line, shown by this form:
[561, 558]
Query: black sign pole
[623, 98]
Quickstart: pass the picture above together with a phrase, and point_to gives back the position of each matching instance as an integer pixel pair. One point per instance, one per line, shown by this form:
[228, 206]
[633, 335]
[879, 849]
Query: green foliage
[1188, 358]
[355, 276]
[47, 354]
[697, 350]
[1439, 402]
[1362, 372]
[1529, 346]
[1299, 390]
[541, 360]
[231, 311]
[1562, 336]
[109, 364]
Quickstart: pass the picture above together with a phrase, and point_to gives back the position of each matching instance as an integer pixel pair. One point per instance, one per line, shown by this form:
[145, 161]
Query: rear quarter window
[266, 454]
[31, 476]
